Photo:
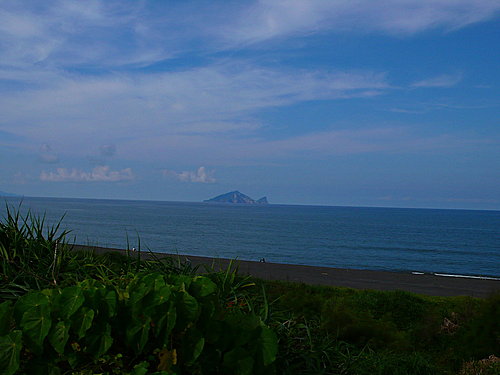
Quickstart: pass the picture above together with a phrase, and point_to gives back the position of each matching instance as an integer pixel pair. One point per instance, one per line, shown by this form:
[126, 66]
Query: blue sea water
[459, 242]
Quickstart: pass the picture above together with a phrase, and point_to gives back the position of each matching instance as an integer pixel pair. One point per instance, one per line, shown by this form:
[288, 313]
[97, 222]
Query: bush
[172, 324]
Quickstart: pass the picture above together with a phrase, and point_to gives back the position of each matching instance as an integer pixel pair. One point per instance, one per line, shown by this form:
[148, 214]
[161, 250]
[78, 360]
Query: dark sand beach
[428, 284]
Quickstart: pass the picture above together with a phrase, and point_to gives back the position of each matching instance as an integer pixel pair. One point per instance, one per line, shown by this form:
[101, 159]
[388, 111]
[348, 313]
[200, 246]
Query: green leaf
[5, 317]
[193, 344]
[110, 300]
[104, 302]
[10, 351]
[202, 286]
[163, 294]
[151, 304]
[137, 334]
[100, 340]
[69, 301]
[269, 344]
[189, 306]
[29, 301]
[198, 348]
[82, 321]
[140, 369]
[36, 323]
[165, 324]
[59, 336]
[246, 326]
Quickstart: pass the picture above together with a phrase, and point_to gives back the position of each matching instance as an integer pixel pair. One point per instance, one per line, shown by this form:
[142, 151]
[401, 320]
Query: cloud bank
[101, 173]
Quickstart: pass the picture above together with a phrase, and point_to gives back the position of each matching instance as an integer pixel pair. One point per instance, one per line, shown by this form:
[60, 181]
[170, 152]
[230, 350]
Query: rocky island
[238, 198]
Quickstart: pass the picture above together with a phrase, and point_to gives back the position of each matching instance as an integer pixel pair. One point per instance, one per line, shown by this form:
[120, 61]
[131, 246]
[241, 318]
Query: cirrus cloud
[445, 80]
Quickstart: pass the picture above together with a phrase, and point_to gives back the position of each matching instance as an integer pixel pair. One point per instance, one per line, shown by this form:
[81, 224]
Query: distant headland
[4, 194]
[236, 197]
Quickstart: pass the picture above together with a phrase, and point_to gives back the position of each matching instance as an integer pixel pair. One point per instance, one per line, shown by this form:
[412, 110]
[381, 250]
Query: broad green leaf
[5, 317]
[105, 302]
[82, 321]
[159, 282]
[69, 301]
[171, 318]
[91, 297]
[140, 369]
[36, 323]
[136, 296]
[100, 340]
[189, 306]
[110, 299]
[29, 301]
[269, 344]
[166, 324]
[198, 346]
[59, 336]
[163, 294]
[10, 350]
[246, 326]
[137, 334]
[155, 302]
[202, 286]
[193, 346]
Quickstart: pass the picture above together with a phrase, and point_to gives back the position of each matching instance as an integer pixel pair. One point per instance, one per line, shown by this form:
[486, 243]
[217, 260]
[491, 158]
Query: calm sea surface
[443, 241]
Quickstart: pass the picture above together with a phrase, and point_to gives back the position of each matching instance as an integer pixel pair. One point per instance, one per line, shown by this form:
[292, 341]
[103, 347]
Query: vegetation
[69, 312]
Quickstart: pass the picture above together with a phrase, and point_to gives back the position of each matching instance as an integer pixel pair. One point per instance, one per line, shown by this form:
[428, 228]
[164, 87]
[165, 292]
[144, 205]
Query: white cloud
[200, 175]
[101, 173]
[215, 98]
[445, 80]
[268, 19]
[112, 33]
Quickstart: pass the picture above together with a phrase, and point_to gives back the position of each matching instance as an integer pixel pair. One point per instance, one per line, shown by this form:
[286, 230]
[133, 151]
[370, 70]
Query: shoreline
[444, 285]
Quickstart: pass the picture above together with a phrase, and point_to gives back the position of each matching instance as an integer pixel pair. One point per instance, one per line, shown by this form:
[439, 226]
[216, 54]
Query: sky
[390, 103]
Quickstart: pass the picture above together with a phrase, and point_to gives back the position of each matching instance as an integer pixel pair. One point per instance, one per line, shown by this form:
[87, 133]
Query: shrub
[173, 324]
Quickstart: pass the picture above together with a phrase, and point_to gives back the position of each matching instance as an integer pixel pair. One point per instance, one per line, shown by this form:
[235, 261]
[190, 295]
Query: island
[235, 197]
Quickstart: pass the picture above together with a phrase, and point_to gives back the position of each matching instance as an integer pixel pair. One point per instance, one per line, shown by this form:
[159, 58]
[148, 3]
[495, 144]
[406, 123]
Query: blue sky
[388, 103]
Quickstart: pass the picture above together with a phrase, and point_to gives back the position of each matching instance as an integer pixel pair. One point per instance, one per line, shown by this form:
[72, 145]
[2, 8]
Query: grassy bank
[67, 312]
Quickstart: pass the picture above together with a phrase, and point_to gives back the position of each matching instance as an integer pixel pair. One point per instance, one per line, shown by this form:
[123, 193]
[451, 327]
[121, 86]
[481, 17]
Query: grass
[320, 330]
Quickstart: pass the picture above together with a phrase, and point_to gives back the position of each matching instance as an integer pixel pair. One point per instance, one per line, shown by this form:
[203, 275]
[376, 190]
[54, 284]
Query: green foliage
[479, 337]
[10, 350]
[31, 253]
[325, 330]
[382, 363]
[71, 327]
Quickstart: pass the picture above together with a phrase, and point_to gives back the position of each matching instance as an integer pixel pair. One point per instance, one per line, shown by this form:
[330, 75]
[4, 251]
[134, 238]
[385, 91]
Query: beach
[428, 284]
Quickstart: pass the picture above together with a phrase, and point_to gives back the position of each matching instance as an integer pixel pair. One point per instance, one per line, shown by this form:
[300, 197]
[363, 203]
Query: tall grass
[38, 255]
[32, 253]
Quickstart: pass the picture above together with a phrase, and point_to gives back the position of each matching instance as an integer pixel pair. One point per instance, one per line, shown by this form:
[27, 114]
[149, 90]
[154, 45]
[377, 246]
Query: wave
[458, 276]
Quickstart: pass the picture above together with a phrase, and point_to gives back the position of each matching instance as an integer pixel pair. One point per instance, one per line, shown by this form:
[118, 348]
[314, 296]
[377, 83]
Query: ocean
[451, 242]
